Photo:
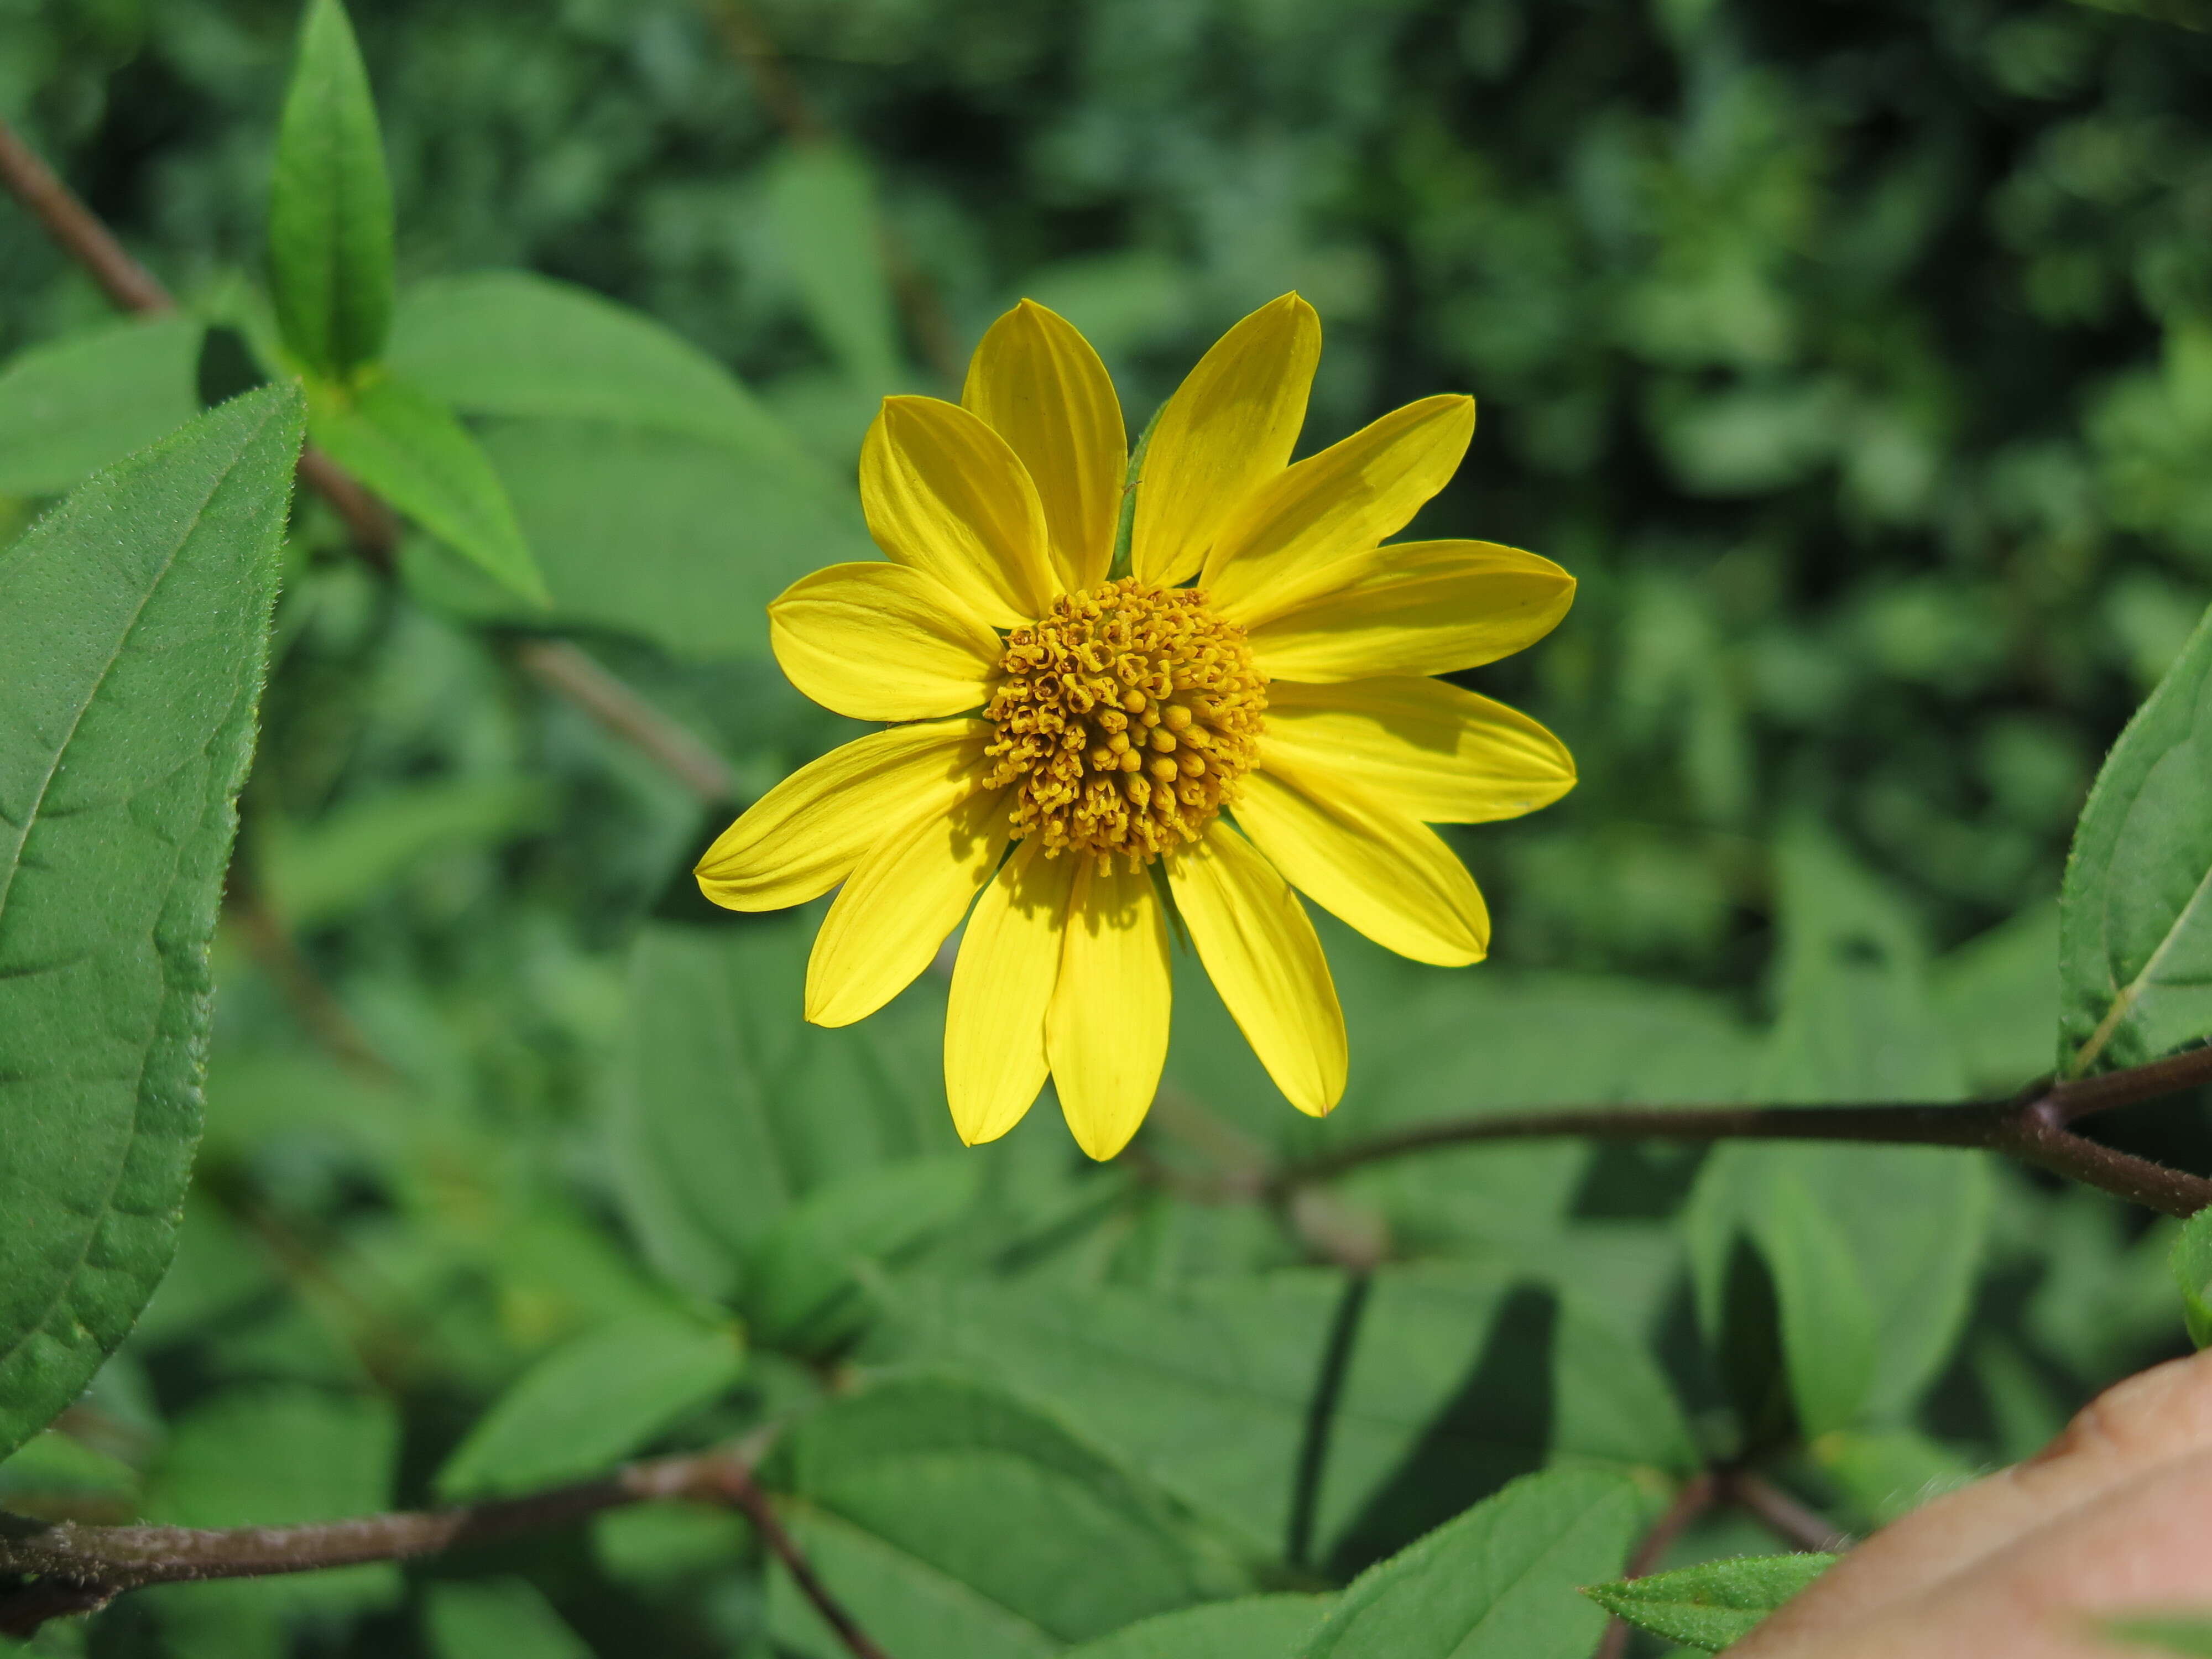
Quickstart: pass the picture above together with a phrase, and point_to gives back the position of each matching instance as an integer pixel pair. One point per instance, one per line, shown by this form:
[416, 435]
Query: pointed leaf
[1713, 1604]
[134, 623]
[330, 207]
[408, 447]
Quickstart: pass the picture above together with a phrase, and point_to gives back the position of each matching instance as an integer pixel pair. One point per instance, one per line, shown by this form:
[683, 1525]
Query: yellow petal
[943, 492]
[1228, 429]
[881, 642]
[902, 901]
[1261, 953]
[1417, 608]
[1392, 878]
[1106, 1033]
[1305, 519]
[1420, 747]
[805, 836]
[1036, 382]
[994, 1059]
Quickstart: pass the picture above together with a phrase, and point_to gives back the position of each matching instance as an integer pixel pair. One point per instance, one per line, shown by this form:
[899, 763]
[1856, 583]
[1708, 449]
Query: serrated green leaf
[2191, 1264]
[330, 206]
[71, 406]
[1499, 1582]
[956, 1523]
[592, 1402]
[408, 448]
[496, 1618]
[134, 621]
[801, 1294]
[1250, 1627]
[821, 200]
[511, 342]
[2135, 940]
[2191, 1637]
[1713, 1604]
[729, 1109]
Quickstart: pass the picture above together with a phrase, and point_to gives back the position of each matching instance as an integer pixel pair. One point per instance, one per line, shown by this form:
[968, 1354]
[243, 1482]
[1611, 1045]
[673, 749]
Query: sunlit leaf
[1711, 1605]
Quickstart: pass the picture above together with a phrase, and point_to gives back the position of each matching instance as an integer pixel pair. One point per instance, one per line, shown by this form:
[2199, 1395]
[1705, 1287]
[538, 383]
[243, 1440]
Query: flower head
[1246, 710]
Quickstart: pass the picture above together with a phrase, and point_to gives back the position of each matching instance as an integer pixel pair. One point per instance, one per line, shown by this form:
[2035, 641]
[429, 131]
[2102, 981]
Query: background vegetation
[1857, 359]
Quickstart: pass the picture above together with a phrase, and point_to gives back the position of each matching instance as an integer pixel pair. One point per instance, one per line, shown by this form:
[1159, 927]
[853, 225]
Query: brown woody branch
[2031, 1126]
[560, 667]
[61, 1568]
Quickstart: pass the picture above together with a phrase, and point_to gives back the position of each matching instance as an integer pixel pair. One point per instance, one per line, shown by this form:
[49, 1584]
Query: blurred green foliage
[1856, 359]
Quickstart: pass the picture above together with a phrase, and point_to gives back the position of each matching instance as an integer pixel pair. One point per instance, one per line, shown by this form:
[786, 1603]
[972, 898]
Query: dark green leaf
[729, 1107]
[330, 207]
[408, 447]
[133, 623]
[800, 1290]
[592, 1402]
[510, 343]
[1884, 1474]
[822, 198]
[496, 1618]
[957, 1524]
[1499, 1582]
[2136, 911]
[1250, 1627]
[2191, 1264]
[319, 871]
[76, 405]
[1713, 1604]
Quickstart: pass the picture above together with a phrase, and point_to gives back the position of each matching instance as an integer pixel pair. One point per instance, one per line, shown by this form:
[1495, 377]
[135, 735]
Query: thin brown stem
[1697, 1495]
[2031, 1128]
[1794, 1524]
[76, 229]
[77, 1568]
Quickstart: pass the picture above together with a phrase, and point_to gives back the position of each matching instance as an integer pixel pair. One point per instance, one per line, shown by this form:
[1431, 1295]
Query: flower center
[1125, 714]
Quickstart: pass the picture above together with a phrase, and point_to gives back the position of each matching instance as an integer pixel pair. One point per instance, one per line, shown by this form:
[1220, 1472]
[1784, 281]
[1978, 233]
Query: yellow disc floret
[1125, 715]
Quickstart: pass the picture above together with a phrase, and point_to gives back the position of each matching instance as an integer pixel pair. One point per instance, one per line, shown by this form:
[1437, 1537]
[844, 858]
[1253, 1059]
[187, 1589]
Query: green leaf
[134, 621]
[801, 1293]
[1884, 1474]
[510, 343]
[1997, 994]
[2174, 1633]
[408, 447]
[1250, 1627]
[330, 206]
[1892, 1235]
[73, 405]
[674, 538]
[496, 1618]
[1713, 1604]
[822, 204]
[273, 1454]
[592, 1402]
[1458, 1377]
[2190, 1263]
[946, 1517]
[2135, 938]
[333, 866]
[729, 1107]
[1499, 1582]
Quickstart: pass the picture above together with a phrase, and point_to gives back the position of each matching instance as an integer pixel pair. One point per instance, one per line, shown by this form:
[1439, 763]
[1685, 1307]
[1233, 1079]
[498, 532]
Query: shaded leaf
[496, 1618]
[957, 1524]
[1711, 1605]
[2190, 1263]
[592, 1402]
[1499, 1582]
[330, 206]
[2136, 909]
[73, 405]
[133, 623]
[823, 200]
[1250, 1627]
[408, 447]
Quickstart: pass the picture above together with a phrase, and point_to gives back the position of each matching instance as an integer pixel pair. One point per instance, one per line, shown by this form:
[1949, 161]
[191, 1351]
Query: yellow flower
[1136, 738]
